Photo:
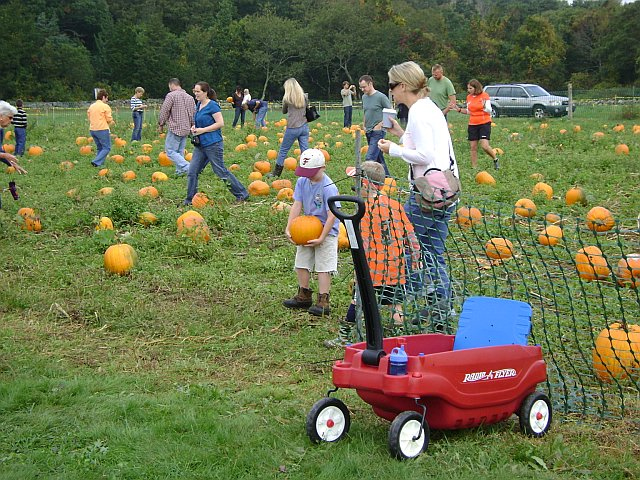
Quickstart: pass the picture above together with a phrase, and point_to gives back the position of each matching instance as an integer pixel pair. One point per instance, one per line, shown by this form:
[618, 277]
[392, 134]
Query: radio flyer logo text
[491, 375]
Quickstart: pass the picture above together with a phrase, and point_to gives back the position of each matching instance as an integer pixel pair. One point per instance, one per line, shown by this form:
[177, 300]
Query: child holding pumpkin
[310, 196]
[386, 233]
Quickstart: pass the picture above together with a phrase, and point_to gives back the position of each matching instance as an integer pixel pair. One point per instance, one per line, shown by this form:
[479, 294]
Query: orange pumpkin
[151, 192]
[240, 148]
[32, 223]
[104, 172]
[616, 353]
[468, 216]
[597, 136]
[9, 147]
[234, 167]
[628, 272]
[622, 149]
[343, 238]
[159, 177]
[550, 236]
[618, 128]
[525, 208]
[255, 176]
[250, 138]
[66, 165]
[575, 195]
[542, 188]
[599, 219]
[104, 191]
[553, 218]
[499, 248]
[85, 150]
[119, 259]
[258, 188]
[285, 194]
[591, 264]
[191, 224]
[271, 154]
[104, 223]
[200, 200]
[35, 151]
[81, 141]
[485, 178]
[147, 147]
[304, 228]
[164, 160]
[262, 166]
[280, 184]
[25, 212]
[120, 142]
[290, 163]
[117, 158]
[128, 175]
[147, 218]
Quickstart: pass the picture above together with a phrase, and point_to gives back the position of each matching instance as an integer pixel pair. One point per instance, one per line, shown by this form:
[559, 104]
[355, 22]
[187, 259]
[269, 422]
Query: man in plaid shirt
[177, 111]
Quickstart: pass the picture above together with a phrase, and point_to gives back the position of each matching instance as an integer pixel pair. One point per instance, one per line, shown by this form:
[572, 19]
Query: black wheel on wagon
[406, 438]
[328, 420]
[535, 415]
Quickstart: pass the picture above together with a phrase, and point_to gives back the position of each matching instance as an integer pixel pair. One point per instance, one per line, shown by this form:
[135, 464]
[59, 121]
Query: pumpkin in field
[597, 136]
[128, 175]
[575, 195]
[104, 191]
[577, 129]
[538, 177]
[258, 188]
[542, 188]
[104, 223]
[151, 192]
[327, 157]
[591, 264]
[618, 128]
[191, 224]
[66, 165]
[9, 147]
[255, 176]
[143, 159]
[25, 212]
[485, 178]
[230, 99]
[468, 216]
[117, 158]
[262, 166]
[280, 184]
[271, 154]
[616, 353]
[120, 142]
[188, 156]
[550, 236]
[250, 138]
[200, 200]
[265, 141]
[164, 160]
[35, 151]
[290, 163]
[32, 223]
[240, 148]
[599, 219]
[234, 167]
[147, 147]
[622, 149]
[81, 141]
[147, 218]
[10, 169]
[280, 207]
[553, 218]
[525, 208]
[120, 259]
[628, 272]
[159, 177]
[498, 151]
[499, 248]
[85, 150]
[304, 228]
[285, 194]
[104, 172]
[343, 238]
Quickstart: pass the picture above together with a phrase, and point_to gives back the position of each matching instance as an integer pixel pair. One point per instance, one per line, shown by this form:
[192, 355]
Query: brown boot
[302, 299]
[322, 307]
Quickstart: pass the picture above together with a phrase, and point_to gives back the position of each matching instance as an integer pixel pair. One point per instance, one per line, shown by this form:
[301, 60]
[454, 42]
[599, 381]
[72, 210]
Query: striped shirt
[20, 119]
[136, 103]
[178, 111]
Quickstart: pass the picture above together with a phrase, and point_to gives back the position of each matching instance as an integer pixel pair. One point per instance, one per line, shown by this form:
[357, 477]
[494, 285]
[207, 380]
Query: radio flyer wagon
[481, 375]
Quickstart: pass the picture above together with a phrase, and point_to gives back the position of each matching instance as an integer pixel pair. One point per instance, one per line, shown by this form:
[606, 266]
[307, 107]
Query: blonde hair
[412, 76]
[139, 90]
[293, 93]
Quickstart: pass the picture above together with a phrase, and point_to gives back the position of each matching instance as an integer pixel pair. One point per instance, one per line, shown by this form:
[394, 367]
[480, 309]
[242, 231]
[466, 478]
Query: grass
[190, 368]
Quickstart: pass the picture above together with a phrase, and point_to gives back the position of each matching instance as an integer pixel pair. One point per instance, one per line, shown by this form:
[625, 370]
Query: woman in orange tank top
[479, 130]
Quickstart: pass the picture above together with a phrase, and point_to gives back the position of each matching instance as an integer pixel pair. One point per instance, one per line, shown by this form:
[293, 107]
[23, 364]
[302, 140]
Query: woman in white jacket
[426, 143]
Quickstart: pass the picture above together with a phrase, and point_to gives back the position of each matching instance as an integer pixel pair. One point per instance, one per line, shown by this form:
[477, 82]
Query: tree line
[62, 49]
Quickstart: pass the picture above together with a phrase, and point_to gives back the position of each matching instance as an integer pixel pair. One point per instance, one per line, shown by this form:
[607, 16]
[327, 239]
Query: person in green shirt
[442, 92]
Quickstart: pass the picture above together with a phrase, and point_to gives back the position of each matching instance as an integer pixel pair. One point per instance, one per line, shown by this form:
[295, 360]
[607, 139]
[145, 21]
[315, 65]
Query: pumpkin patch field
[141, 338]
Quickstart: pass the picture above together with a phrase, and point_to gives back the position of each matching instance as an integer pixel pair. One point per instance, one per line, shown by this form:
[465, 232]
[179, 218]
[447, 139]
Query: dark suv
[525, 99]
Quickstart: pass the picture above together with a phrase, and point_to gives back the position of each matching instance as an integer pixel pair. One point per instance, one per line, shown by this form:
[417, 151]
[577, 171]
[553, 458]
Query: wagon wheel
[535, 415]
[404, 441]
[328, 420]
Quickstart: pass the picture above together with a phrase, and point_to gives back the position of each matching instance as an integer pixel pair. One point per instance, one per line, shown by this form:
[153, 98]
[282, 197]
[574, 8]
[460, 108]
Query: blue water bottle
[398, 361]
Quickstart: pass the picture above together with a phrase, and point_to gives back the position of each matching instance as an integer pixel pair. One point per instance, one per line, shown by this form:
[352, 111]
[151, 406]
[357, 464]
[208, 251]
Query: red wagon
[481, 375]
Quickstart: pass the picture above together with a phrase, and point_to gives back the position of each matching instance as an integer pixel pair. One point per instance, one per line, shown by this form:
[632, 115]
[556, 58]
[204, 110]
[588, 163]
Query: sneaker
[95, 165]
[496, 163]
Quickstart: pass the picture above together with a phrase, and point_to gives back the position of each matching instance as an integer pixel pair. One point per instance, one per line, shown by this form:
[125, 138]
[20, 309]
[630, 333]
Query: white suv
[525, 99]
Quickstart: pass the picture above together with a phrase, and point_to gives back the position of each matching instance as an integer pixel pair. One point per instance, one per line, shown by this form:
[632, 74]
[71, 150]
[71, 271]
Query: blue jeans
[137, 125]
[291, 135]
[261, 113]
[174, 146]
[21, 140]
[348, 112]
[239, 114]
[212, 154]
[432, 230]
[102, 139]
[374, 153]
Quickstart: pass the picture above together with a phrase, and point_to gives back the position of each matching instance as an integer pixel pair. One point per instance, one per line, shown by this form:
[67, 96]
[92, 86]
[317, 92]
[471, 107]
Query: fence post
[570, 95]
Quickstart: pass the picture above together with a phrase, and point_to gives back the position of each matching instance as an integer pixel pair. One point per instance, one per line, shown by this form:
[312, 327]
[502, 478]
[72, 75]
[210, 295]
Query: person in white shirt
[426, 143]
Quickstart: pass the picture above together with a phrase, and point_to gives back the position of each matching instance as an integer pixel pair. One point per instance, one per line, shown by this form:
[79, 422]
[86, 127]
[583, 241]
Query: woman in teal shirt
[209, 147]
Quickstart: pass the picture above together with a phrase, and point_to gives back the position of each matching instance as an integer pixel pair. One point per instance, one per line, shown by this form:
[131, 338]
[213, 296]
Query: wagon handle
[373, 325]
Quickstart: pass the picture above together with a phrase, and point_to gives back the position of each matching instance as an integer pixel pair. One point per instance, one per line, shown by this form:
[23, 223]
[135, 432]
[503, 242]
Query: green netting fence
[569, 309]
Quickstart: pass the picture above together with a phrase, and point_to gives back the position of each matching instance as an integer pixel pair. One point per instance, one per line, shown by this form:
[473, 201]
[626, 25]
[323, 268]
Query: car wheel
[495, 113]
[538, 111]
